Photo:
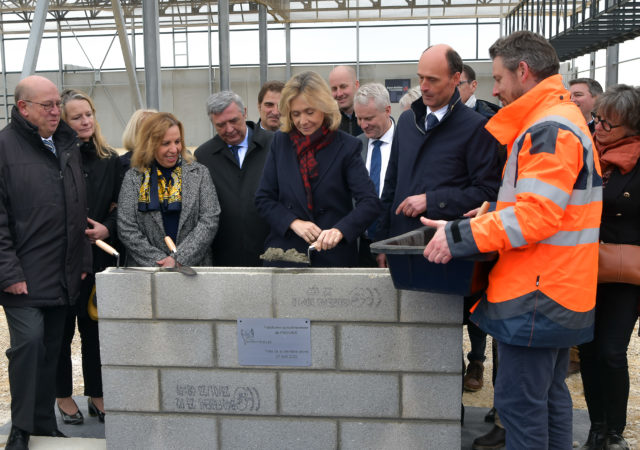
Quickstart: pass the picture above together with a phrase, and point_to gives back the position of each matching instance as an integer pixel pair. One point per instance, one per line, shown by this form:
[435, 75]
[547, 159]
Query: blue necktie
[432, 121]
[235, 149]
[376, 165]
[374, 174]
[49, 144]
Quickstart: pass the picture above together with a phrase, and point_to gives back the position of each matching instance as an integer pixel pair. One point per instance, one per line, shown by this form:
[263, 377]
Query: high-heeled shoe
[94, 411]
[71, 419]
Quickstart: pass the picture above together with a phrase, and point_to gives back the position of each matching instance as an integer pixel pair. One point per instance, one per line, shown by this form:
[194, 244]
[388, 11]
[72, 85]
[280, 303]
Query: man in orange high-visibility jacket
[541, 295]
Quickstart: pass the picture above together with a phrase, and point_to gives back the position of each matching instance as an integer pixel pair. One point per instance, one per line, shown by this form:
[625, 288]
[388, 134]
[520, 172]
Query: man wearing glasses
[44, 253]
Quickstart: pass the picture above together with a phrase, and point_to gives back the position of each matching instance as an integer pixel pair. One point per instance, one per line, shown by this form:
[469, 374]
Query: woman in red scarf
[603, 362]
[315, 188]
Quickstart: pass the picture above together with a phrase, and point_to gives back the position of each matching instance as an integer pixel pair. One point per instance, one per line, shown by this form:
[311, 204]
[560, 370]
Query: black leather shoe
[615, 441]
[71, 419]
[495, 438]
[595, 440]
[94, 411]
[18, 439]
[53, 433]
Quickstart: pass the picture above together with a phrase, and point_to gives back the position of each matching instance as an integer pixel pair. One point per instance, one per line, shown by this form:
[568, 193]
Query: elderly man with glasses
[44, 252]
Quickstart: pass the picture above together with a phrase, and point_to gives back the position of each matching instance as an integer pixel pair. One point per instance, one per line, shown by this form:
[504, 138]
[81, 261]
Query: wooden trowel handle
[107, 248]
[170, 244]
[483, 209]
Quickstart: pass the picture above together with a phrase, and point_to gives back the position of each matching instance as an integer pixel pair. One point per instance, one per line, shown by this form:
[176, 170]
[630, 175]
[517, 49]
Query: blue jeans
[532, 397]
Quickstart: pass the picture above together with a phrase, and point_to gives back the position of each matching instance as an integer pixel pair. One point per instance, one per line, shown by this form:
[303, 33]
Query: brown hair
[150, 136]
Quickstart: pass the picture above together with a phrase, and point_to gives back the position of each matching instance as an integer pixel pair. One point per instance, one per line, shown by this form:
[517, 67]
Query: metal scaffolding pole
[35, 37]
[5, 91]
[151, 53]
[223, 43]
[126, 53]
[612, 65]
[60, 62]
[262, 37]
[287, 40]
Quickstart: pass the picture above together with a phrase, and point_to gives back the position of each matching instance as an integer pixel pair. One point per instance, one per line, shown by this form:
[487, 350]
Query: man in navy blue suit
[443, 162]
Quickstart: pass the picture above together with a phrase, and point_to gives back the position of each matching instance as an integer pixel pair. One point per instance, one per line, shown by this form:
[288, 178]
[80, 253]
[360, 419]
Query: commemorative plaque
[274, 342]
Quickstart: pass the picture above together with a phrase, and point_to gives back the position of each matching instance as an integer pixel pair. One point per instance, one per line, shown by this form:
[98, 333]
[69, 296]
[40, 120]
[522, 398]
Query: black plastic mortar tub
[411, 270]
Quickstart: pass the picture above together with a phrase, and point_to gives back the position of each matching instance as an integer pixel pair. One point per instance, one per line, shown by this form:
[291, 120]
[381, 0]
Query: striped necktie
[49, 144]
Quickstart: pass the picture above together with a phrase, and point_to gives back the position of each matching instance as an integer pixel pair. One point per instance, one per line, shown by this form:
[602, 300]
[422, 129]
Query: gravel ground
[482, 398]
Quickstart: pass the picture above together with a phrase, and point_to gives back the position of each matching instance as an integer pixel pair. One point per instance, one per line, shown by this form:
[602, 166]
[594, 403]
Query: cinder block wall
[385, 363]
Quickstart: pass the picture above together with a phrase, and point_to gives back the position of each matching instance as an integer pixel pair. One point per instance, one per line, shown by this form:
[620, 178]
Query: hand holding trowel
[185, 270]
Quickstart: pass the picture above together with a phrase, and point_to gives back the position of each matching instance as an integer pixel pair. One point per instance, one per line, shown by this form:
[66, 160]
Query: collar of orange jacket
[507, 123]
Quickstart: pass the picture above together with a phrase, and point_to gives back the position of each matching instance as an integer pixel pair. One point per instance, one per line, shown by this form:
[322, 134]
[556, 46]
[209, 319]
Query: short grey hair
[621, 103]
[220, 101]
[373, 91]
[409, 97]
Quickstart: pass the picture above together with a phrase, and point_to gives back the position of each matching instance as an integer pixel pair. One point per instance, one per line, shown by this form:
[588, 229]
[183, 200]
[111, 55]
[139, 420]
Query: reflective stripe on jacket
[546, 224]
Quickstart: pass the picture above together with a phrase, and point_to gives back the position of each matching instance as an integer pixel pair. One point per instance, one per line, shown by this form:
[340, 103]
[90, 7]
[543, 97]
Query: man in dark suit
[467, 88]
[443, 162]
[44, 253]
[344, 84]
[372, 107]
[235, 158]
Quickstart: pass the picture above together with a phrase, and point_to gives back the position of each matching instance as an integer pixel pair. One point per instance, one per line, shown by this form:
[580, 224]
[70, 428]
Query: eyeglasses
[463, 82]
[606, 126]
[47, 106]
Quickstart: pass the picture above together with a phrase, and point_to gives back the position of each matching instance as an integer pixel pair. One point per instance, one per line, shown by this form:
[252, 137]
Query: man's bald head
[38, 101]
[344, 84]
[439, 71]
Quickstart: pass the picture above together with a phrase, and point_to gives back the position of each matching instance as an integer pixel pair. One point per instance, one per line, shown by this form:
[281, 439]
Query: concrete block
[277, 434]
[158, 432]
[332, 394]
[400, 348]
[130, 389]
[323, 355]
[431, 397]
[405, 436]
[218, 392]
[156, 343]
[214, 295]
[124, 295]
[344, 295]
[429, 307]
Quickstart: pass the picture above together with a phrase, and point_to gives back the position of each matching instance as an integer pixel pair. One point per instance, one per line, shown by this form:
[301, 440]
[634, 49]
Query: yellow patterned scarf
[161, 189]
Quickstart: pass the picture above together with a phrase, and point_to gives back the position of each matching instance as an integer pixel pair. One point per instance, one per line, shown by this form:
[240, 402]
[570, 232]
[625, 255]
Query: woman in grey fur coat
[166, 193]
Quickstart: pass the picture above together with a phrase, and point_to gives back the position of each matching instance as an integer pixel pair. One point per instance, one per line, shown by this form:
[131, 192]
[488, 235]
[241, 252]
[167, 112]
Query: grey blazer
[142, 233]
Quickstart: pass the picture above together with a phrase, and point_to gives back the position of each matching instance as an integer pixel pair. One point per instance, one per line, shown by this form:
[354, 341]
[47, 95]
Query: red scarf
[306, 148]
[623, 154]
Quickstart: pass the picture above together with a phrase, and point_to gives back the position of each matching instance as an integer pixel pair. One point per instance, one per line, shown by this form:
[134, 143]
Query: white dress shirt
[385, 152]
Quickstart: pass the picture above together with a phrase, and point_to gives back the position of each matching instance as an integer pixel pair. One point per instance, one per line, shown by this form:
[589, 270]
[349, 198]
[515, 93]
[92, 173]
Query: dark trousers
[90, 347]
[532, 397]
[603, 361]
[35, 334]
[365, 257]
[477, 337]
